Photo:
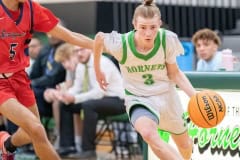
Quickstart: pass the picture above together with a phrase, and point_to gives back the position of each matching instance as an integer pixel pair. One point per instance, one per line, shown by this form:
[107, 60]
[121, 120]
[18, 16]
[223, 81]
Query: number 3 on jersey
[12, 51]
[148, 79]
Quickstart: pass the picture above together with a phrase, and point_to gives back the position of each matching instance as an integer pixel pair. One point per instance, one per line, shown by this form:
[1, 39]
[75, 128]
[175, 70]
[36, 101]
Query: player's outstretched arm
[98, 49]
[71, 37]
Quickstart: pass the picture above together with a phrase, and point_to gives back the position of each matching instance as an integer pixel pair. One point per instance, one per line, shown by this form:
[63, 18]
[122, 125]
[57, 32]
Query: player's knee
[37, 131]
[186, 153]
[145, 133]
[186, 150]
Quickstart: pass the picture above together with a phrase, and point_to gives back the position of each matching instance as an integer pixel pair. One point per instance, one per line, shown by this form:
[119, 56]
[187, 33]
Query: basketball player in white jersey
[147, 58]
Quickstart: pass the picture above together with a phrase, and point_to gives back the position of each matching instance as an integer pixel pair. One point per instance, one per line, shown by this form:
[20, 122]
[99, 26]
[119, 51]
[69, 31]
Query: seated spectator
[46, 73]
[207, 43]
[86, 95]
[50, 97]
[35, 47]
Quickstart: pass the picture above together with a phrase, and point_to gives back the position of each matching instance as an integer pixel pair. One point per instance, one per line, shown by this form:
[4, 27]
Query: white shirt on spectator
[113, 77]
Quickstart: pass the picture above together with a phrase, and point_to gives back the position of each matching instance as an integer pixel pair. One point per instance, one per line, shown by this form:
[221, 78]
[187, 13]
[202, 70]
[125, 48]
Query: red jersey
[15, 34]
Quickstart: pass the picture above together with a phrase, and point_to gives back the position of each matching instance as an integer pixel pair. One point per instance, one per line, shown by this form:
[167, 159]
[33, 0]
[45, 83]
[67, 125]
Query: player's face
[147, 28]
[206, 49]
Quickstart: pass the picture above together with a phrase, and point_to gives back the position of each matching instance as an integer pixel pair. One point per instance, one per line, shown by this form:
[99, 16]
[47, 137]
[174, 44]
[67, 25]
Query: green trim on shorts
[174, 133]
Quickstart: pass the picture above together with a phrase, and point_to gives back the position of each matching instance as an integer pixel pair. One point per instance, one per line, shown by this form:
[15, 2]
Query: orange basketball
[206, 109]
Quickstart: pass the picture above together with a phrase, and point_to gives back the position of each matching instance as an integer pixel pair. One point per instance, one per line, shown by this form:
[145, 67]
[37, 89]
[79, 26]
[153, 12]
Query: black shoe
[84, 155]
[65, 151]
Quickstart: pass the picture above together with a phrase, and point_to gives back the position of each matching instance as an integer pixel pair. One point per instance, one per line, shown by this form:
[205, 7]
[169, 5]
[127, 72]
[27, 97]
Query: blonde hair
[206, 34]
[63, 52]
[147, 9]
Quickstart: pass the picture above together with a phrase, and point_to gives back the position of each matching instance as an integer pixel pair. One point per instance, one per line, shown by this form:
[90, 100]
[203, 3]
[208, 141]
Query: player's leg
[177, 124]
[31, 124]
[184, 144]
[146, 124]
[21, 137]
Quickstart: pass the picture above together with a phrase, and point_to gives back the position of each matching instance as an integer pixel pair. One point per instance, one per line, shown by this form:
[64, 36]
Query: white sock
[78, 143]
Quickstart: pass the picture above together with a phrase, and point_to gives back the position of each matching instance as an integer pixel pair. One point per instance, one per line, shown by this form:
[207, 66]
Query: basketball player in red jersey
[18, 20]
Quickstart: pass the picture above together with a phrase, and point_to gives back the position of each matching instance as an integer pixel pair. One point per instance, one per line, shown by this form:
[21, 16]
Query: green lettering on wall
[224, 138]
[234, 140]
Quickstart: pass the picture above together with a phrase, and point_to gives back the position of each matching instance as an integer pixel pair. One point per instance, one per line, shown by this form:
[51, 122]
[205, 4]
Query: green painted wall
[215, 80]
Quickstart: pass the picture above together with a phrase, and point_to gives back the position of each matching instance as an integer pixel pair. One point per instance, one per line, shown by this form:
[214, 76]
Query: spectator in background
[50, 97]
[46, 73]
[207, 43]
[86, 94]
[34, 49]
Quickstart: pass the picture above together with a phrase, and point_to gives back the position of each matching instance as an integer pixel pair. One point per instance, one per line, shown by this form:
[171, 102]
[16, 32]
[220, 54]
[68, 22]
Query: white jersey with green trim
[144, 74]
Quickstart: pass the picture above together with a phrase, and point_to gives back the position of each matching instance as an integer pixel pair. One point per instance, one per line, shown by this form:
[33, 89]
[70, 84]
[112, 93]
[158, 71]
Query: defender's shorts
[17, 86]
